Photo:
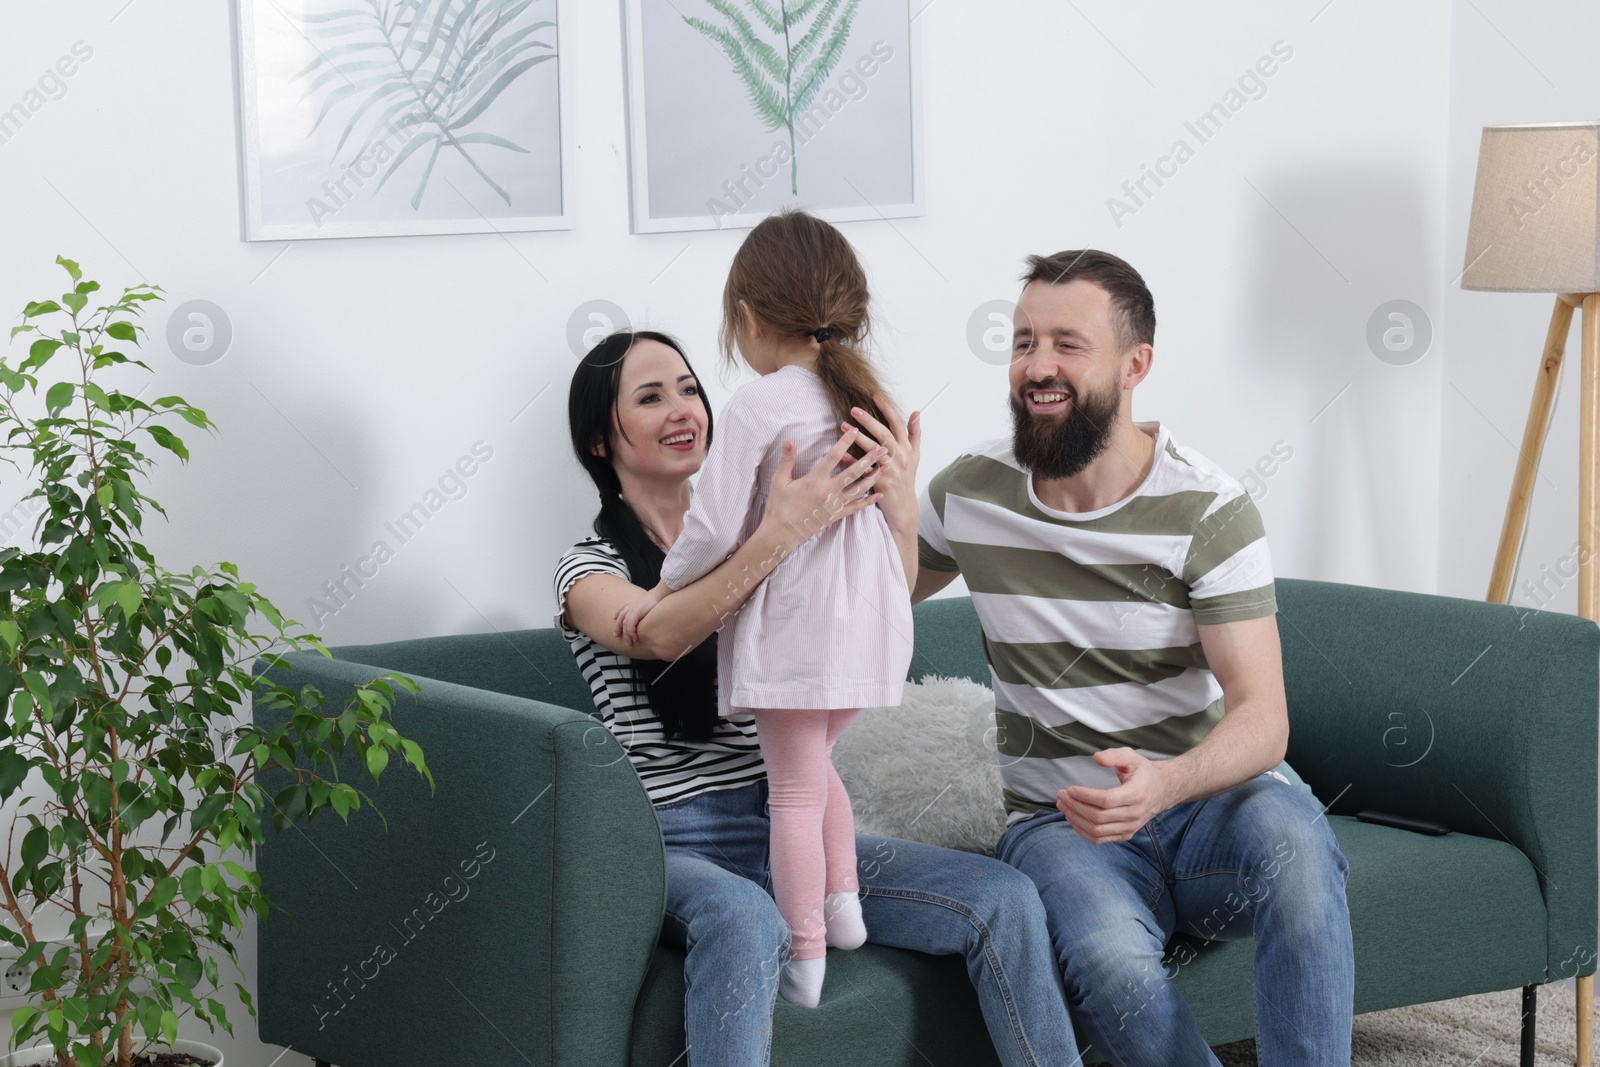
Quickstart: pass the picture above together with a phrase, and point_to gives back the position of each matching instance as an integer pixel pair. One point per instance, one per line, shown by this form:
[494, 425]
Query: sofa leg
[323, 1063]
[1585, 989]
[1530, 1022]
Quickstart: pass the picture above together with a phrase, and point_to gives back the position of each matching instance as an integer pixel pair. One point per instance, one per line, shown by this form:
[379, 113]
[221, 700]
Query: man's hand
[1103, 815]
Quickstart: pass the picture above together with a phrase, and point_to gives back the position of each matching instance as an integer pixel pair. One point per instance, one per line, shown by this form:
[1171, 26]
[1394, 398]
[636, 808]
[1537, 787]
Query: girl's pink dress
[831, 626]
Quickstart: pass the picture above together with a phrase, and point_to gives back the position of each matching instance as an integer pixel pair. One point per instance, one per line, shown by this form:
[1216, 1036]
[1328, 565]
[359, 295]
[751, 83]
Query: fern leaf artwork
[782, 51]
[413, 75]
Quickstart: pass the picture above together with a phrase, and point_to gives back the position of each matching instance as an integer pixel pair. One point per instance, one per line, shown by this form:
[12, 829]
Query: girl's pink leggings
[813, 831]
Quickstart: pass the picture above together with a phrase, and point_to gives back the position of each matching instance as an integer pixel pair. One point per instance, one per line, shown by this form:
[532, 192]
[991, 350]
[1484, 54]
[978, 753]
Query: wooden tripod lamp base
[1511, 532]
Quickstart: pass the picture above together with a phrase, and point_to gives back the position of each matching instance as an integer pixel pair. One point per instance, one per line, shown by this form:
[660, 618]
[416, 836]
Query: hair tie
[822, 334]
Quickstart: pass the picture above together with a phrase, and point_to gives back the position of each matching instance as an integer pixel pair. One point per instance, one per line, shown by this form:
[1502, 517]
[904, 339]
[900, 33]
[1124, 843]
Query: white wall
[361, 369]
[1509, 70]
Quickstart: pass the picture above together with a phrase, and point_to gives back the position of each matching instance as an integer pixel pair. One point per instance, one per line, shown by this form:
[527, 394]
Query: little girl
[829, 632]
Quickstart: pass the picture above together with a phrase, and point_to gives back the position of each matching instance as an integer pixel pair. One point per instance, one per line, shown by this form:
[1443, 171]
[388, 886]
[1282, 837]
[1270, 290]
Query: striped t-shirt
[671, 770]
[1089, 619]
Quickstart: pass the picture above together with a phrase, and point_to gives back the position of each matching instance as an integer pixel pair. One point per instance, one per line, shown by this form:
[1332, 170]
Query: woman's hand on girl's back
[897, 481]
[800, 508]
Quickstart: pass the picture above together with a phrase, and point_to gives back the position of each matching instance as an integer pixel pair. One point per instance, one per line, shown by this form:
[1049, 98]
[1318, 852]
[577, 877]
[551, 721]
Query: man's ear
[1138, 366]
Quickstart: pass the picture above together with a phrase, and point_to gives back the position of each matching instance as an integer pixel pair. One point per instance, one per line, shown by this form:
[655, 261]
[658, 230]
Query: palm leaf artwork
[782, 77]
[421, 69]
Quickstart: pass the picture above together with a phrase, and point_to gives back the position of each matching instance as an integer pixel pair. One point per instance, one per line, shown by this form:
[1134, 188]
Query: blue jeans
[1258, 860]
[914, 896]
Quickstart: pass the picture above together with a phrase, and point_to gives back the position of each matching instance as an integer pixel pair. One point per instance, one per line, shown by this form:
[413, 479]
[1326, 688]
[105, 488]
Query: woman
[640, 426]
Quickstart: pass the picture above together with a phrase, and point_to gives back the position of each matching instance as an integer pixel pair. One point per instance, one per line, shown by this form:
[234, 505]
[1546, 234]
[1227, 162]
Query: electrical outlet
[14, 979]
[14, 983]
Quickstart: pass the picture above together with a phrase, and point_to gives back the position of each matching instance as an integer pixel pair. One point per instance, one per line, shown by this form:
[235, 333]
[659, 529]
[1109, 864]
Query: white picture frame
[507, 98]
[701, 156]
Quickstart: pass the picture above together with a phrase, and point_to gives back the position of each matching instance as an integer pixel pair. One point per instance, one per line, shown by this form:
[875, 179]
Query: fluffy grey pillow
[927, 770]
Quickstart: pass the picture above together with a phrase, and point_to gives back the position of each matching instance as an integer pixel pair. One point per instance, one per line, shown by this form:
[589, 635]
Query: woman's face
[660, 417]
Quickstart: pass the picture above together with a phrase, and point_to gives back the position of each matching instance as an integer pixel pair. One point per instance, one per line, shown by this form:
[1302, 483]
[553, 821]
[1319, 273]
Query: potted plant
[121, 688]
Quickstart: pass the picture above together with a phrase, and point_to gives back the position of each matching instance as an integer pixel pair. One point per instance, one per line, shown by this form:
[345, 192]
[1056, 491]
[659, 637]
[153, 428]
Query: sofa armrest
[509, 917]
[1479, 716]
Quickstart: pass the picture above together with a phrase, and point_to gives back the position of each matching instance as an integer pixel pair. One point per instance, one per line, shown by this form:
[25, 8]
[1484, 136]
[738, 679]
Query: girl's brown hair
[799, 275]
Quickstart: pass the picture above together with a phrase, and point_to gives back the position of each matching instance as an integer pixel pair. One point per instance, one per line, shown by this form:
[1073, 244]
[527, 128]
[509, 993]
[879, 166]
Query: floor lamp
[1534, 230]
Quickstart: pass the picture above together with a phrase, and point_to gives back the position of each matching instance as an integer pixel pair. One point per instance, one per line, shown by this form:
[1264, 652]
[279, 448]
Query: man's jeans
[1256, 861]
[914, 896]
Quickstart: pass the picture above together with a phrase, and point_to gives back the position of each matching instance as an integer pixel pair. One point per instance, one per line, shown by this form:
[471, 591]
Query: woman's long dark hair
[682, 693]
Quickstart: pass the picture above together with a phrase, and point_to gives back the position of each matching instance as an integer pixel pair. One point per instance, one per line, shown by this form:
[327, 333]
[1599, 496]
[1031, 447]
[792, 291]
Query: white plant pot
[44, 1054]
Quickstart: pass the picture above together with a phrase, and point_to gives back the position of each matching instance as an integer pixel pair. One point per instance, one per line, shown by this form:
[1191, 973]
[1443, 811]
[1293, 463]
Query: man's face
[1066, 377]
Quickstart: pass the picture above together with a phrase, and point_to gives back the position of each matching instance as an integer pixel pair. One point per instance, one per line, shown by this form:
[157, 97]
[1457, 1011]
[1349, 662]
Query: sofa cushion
[1432, 918]
[880, 1007]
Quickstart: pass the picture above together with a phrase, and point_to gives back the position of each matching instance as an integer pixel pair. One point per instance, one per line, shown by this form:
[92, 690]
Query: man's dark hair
[1134, 307]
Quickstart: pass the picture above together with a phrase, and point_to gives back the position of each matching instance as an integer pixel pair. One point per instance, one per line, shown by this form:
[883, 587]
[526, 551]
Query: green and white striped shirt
[1089, 618]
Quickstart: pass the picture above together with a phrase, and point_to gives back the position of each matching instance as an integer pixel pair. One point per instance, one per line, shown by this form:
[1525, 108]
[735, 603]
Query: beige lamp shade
[1536, 210]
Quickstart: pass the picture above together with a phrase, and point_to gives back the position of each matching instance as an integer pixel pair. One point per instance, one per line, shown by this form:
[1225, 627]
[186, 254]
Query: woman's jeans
[914, 896]
[1258, 860]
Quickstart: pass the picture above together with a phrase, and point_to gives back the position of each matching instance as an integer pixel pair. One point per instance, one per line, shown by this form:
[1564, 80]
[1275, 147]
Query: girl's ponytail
[800, 277]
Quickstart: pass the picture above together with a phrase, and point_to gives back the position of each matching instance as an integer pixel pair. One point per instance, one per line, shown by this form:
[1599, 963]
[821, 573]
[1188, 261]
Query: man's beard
[1061, 447]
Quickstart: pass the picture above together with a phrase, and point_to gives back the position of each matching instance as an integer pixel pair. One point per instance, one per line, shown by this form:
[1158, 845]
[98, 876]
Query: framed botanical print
[739, 107]
[363, 118]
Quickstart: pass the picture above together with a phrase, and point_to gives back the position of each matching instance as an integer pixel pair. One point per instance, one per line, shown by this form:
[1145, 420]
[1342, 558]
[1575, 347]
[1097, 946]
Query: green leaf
[39, 353]
[165, 891]
[340, 801]
[21, 1017]
[22, 707]
[72, 268]
[377, 760]
[14, 767]
[34, 844]
[59, 396]
[97, 794]
[123, 331]
[168, 440]
[169, 1026]
[188, 971]
[10, 635]
[129, 595]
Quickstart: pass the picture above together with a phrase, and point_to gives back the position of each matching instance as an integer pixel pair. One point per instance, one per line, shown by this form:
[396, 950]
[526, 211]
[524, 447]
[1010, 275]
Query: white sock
[801, 981]
[842, 914]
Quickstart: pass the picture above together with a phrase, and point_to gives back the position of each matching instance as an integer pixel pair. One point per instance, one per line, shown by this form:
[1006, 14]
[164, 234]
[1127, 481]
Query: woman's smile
[681, 441]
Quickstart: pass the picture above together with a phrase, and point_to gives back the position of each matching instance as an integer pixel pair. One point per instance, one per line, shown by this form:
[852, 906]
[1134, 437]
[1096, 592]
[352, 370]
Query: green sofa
[511, 918]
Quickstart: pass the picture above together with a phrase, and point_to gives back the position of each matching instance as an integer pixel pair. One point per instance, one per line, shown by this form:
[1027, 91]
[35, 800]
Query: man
[1126, 599]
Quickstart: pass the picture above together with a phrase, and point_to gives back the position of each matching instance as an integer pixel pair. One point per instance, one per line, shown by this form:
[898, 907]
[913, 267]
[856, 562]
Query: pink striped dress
[831, 626]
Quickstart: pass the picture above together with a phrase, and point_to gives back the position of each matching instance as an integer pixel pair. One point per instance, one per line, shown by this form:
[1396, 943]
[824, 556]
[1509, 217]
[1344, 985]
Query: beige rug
[1480, 1031]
